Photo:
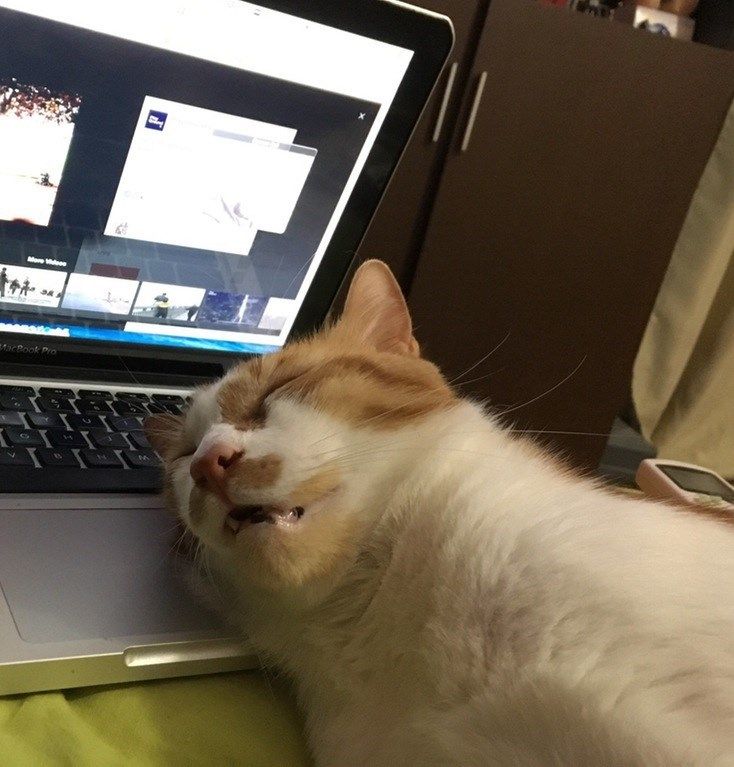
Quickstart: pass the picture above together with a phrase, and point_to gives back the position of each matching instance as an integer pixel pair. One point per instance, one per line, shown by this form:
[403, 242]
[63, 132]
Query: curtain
[683, 377]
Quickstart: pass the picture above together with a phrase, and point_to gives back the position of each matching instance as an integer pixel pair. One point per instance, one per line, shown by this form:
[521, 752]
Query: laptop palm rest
[95, 573]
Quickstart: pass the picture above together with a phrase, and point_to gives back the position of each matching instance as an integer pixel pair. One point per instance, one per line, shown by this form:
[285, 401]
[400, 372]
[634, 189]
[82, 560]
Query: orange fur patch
[325, 543]
[255, 473]
[358, 385]
[316, 487]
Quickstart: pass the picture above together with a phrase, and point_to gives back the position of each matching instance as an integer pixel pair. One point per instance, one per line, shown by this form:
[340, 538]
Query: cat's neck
[417, 475]
[461, 448]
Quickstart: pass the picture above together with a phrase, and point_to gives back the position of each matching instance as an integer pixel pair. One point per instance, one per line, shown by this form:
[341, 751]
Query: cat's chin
[242, 517]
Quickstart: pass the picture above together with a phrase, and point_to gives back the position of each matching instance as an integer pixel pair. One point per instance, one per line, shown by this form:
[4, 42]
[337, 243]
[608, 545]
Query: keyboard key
[57, 457]
[15, 402]
[95, 394]
[45, 420]
[24, 437]
[173, 409]
[92, 406]
[132, 395]
[54, 405]
[122, 407]
[15, 456]
[140, 459]
[60, 438]
[106, 459]
[104, 438]
[12, 419]
[126, 424]
[154, 408]
[173, 399]
[50, 391]
[27, 391]
[139, 440]
[85, 422]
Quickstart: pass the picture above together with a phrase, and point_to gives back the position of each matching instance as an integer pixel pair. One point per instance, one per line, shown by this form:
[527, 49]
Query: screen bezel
[431, 38]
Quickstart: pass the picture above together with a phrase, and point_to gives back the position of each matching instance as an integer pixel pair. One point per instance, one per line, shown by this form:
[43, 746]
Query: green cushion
[223, 719]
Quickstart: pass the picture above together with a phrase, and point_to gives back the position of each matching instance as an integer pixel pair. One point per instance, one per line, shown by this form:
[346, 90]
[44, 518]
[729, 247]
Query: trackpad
[94, 573]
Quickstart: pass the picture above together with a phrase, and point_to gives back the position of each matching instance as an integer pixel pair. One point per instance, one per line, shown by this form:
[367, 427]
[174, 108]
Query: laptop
[183, 184]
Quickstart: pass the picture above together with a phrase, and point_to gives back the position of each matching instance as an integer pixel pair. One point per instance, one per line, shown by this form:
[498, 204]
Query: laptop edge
[31, 661]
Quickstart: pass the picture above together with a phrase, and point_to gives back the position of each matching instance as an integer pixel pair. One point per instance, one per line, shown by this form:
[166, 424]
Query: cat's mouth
[241, 516]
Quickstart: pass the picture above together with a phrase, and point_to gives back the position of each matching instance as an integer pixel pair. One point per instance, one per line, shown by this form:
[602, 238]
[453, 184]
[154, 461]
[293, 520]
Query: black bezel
[431, 37]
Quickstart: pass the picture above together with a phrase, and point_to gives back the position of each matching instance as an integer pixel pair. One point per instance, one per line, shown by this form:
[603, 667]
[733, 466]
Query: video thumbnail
[232, 308]
[36, 128]
[168, 302]
[110, 295]
[35, 287]
[277, 313]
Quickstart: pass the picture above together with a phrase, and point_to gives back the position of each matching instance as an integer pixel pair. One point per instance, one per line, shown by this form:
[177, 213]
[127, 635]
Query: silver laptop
[182, 184]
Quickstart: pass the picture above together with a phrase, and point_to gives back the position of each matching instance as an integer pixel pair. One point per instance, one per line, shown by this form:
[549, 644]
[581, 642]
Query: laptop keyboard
[57, 438]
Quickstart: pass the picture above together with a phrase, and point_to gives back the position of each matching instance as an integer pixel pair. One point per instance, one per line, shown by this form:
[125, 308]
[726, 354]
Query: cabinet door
[397, 229]
[554, 226]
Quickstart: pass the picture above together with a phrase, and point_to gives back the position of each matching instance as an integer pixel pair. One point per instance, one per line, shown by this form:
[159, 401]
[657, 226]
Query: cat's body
[535, 613]
[461, 599]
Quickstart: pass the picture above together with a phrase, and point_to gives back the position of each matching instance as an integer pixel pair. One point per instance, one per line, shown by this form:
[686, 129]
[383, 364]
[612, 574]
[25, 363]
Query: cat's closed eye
[245, 400]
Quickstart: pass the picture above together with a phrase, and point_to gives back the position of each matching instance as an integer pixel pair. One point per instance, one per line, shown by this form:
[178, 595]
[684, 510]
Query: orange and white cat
[440, 591]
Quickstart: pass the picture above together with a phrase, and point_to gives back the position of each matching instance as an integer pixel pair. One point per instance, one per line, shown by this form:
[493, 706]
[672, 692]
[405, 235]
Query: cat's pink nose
[209, 469]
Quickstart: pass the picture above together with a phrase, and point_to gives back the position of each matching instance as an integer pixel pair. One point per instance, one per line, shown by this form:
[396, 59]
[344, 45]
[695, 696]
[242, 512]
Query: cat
[440, 590]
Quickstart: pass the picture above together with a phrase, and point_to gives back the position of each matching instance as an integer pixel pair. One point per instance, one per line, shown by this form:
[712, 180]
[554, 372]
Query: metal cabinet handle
[445, 101]
[473, 114]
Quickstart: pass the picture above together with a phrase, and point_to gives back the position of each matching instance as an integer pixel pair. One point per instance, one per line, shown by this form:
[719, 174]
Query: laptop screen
[171, 172]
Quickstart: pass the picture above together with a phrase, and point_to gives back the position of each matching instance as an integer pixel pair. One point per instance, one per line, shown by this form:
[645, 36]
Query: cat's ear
[164, 431]
[376, 312]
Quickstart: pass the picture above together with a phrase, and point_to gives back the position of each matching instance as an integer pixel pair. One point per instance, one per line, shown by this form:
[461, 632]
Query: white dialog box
[204, 179]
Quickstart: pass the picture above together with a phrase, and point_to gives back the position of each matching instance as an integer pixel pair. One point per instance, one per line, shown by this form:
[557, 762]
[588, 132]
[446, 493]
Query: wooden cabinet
[554, 219]
[396, 233]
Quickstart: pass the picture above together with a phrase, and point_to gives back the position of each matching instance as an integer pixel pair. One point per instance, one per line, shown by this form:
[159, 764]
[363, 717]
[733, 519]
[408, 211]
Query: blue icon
[156, 120]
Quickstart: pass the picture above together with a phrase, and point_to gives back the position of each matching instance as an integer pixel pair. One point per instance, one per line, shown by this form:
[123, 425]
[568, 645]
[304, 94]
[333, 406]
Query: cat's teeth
[263, 514]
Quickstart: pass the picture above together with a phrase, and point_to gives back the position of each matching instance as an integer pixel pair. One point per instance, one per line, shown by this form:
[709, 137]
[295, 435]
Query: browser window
[174, 172]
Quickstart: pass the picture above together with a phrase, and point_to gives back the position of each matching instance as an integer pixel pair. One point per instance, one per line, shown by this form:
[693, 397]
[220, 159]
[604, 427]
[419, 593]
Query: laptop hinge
[113, 369]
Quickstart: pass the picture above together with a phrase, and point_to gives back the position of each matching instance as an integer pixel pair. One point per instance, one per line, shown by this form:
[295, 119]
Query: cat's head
[280, 467]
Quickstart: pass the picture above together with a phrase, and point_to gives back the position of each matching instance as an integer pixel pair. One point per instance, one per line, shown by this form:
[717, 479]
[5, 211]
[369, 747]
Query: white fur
[496, 611]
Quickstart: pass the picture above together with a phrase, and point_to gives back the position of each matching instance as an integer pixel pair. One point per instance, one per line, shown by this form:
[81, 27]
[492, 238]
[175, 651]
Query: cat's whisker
[304, 266]
[560, 432]
[555, 386]
[458, 377]
[369, 449]
[130, 372]
[351, 457]
[175, 526]
[177, 543]
[383, 415]
[481, 378]
[354, 460]
[436, 449]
